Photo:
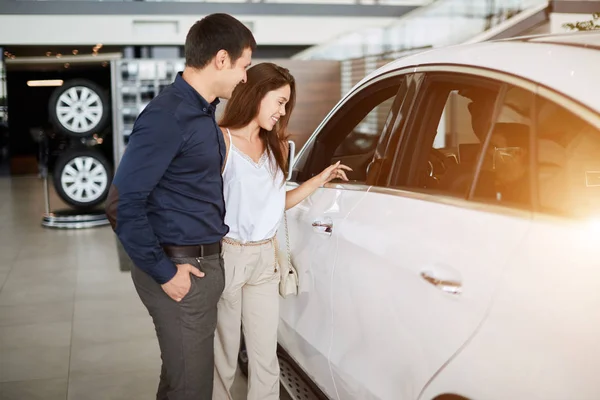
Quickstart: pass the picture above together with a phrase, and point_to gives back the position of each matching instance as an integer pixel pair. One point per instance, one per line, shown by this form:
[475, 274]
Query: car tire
[82, 178]
[79, 108]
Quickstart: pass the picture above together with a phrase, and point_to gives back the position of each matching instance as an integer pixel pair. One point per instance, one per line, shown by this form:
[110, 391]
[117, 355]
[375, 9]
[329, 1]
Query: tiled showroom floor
[71, 325]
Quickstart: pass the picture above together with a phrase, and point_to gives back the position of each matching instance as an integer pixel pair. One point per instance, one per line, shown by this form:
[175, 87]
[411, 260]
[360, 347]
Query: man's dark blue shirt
[168, 188]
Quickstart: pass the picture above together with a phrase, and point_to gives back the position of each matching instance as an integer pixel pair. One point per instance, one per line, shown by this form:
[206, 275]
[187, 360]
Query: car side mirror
[291, 158]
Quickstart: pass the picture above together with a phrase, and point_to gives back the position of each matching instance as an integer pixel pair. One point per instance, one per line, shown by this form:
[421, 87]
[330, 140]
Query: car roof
[590, 39]
[567, 63]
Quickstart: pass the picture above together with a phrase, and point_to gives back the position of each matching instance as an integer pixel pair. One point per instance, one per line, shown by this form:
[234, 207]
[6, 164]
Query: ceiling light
[43, 83]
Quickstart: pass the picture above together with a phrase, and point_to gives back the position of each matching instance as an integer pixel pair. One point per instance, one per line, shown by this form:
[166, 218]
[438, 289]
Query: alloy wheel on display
[79, 109]
[84, 179]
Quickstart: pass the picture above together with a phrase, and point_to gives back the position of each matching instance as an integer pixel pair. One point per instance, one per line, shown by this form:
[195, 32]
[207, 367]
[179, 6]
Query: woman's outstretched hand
[335, 171]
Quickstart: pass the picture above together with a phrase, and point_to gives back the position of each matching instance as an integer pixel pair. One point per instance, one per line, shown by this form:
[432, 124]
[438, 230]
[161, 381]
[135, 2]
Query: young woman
[254, 125]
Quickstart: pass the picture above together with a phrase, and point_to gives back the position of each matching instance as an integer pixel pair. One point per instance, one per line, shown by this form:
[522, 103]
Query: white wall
[168, 30]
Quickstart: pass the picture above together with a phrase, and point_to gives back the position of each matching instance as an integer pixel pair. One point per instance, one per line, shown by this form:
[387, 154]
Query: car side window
[364, 137]
[354, 133]
[447, 134]
[379, 170]
[505, 174]
[568, 162]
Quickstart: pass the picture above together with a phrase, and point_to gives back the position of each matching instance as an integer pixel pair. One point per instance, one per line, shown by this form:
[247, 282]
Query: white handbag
[288, 284]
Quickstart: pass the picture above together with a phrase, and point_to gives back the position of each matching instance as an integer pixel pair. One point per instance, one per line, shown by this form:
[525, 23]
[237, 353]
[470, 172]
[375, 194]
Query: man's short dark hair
[213, 33]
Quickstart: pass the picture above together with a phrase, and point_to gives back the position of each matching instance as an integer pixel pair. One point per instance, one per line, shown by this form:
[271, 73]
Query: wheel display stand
[67, 218]
[72, 219]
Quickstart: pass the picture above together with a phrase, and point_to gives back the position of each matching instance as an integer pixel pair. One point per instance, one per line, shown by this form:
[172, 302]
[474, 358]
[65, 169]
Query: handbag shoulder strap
[287, 242]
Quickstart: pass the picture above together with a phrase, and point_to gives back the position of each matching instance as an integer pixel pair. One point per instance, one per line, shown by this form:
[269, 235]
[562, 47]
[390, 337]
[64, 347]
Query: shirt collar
[191, 94]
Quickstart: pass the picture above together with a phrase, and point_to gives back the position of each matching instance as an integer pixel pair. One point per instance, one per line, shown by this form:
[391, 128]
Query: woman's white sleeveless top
[254, 195]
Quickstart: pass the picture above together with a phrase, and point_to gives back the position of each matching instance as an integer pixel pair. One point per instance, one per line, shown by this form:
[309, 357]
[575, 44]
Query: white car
[462, 260]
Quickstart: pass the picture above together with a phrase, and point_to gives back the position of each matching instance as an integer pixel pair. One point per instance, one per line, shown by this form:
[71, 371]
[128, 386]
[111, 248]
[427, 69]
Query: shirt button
[204, 109]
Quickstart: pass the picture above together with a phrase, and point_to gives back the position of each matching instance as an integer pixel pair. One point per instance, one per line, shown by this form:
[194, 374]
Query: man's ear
[222, 60]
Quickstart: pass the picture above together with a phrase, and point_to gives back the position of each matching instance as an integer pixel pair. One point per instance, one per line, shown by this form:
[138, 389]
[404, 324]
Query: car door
[350, 134]
[556, 274]
[540, 341]
[418, 266]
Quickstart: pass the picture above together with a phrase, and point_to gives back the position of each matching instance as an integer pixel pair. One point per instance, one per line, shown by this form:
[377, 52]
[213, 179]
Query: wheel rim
[79, 109]
[84, 179]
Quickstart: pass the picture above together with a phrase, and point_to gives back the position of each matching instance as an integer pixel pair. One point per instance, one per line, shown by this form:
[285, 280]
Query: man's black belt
[194, 251]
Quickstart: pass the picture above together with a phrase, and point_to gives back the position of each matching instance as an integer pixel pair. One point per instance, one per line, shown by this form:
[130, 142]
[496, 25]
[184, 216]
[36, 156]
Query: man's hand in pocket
[180, 284]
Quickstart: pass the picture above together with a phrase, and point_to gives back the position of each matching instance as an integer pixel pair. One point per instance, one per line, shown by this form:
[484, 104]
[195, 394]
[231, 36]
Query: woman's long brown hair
[245, 101]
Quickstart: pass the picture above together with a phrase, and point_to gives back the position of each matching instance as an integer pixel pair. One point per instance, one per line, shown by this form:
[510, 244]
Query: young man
[166, 204]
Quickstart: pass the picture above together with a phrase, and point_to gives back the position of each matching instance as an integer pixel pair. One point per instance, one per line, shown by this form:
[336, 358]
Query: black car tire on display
[82, 177]
[79, 108]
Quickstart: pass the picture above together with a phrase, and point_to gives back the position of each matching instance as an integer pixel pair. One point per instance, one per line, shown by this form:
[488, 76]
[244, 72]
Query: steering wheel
[436, 164]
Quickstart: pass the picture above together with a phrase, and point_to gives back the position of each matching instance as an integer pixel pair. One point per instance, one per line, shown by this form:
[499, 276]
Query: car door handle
[323, 227]
[447, 286]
